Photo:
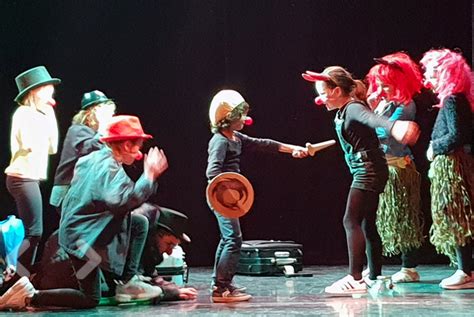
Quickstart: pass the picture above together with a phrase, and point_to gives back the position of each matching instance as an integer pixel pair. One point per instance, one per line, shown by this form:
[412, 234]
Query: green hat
[33, 78]
[92, 98]
[174, 222]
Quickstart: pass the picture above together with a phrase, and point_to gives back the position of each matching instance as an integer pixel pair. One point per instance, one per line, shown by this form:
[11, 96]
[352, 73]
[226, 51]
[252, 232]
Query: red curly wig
[399, 71]
[453, 73]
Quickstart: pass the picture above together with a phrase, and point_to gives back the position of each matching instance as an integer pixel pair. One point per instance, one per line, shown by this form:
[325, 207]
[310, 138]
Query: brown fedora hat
[230, 194]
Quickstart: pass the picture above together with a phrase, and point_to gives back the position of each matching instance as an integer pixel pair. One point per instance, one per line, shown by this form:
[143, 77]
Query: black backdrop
[164, 60]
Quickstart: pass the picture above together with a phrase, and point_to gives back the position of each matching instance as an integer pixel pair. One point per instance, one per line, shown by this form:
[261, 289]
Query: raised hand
[155, 163]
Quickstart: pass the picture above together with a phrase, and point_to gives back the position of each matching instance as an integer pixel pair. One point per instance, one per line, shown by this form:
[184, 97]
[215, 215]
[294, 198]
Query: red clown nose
[319, 101]
[248, 120]
[139, 156]
[52, 102]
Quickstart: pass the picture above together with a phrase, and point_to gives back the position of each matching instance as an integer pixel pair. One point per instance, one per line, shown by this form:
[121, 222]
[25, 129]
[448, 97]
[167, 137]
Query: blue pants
[228, 250]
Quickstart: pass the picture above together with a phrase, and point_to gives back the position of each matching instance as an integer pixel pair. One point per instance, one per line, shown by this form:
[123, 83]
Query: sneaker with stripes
[347, 285]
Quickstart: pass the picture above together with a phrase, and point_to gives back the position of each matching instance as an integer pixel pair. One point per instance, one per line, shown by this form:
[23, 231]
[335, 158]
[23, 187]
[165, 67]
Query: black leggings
[87, 294]
[464, 258]
[29, 205]
[410, 258]
[361, 233]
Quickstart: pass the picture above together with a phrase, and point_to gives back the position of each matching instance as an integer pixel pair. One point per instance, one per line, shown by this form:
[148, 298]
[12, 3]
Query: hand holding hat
[230, 194]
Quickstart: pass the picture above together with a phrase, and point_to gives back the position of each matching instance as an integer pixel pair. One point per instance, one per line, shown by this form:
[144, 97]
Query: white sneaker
[136, 289]
[347, 285]
[459, 280]
[15, 297]
[406, 275]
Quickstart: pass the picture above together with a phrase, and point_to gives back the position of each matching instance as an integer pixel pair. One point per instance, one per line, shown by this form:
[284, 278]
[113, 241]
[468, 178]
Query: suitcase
[271, 257]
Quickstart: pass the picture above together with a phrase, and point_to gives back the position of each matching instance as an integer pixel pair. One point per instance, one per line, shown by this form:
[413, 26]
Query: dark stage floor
[304, 296]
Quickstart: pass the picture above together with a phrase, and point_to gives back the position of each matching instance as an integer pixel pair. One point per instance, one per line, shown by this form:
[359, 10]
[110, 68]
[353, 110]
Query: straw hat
[230, 194]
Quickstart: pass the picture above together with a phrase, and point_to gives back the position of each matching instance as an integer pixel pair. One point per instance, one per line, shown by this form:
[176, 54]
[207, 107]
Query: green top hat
[92, 98]
[33, 78]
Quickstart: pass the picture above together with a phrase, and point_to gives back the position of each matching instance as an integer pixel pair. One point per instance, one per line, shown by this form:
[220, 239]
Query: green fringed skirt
[452, 187]
[399, 217]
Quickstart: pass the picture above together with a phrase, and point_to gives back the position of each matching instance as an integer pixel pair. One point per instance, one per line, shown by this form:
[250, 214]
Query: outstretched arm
[295, 150]
[269, 145]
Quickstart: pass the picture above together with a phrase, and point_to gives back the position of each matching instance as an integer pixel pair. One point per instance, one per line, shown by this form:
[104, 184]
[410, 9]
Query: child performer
[81, 139]
[452, 166]
[355, 127]
[34, 136]
[392, 84]
[228, 112]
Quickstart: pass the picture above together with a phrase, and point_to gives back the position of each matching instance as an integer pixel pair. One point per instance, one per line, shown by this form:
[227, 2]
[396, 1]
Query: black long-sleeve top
[360, 124]
[453, 126]
[361, 147]
[224, 154]
[80, 140]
